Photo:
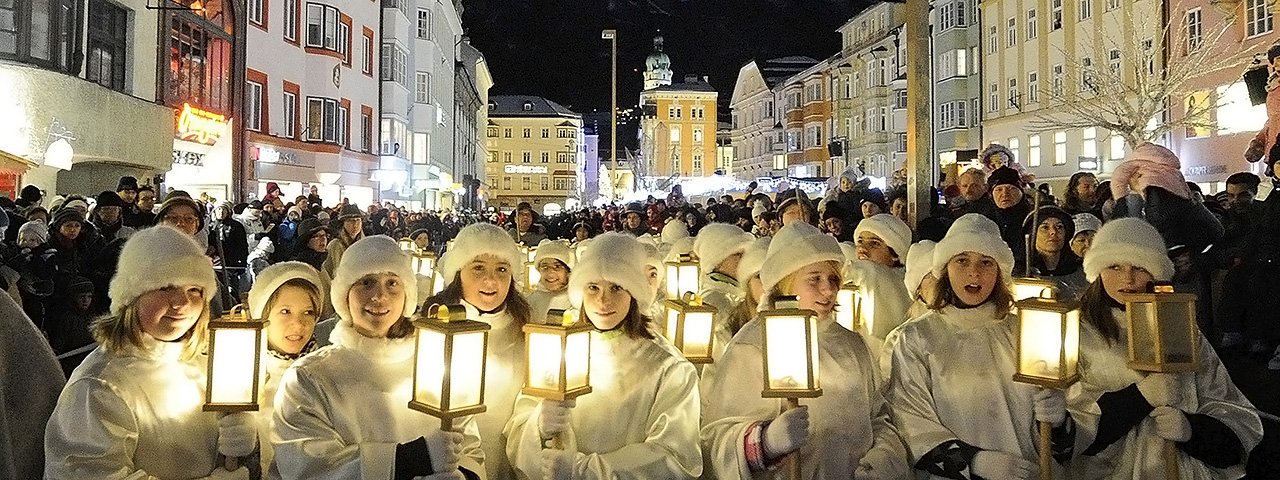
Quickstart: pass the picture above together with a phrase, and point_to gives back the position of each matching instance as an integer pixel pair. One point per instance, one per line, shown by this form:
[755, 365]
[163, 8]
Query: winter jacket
[340, 412]
[119, 231]
[30, 381]
[334, 252]
[532, 237]
[1010, 222]
[1180, 221]
[849, 424]
[228, 236]
[640, 420]
[254, 227]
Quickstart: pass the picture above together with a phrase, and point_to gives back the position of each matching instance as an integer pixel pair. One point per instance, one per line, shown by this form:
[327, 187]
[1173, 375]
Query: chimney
[690, 79]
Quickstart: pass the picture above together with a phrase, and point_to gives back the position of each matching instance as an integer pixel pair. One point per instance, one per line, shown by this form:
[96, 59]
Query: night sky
[552, 48]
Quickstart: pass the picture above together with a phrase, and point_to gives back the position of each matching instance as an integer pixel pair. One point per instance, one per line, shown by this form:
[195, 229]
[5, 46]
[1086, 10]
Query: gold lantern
[528, 252]
[1163, 335]
[449, 364]
[1048, 342]
[849, 307]
[532, 276]
[682, 276]
[1024, 288]
[689, 327]
[407, 246]
[790, 351]
[558, 356]
[235, 359]
[423, 262]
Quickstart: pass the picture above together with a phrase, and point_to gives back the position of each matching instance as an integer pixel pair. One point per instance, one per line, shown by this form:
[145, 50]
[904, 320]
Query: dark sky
[552, 48]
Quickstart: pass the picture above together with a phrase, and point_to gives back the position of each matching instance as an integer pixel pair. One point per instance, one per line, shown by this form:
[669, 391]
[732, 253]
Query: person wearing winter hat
[1149, 185]
[311, 243]
[719, 248]
[838, 222]
[480, 273]
[582, 232]
[674, 230]
[340, 411]
[1051, 258]
[107, 217]
[919, 278]
[1130, 415]
[76, 245]
[1086, 226]
[289, 297]
[1008, 208]
[350, 229]
[554, 261]
[655, 274]
[845, 432]
[33, 234]
[633, 219]
[640, 423]
[118, 415]
[872, 203]
[794, 205]
[524, 230]
[883, 242]
[182, 213]
[962, 354]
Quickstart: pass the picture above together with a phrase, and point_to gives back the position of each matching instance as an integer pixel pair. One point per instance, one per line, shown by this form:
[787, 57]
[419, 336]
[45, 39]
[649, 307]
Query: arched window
[46, 33]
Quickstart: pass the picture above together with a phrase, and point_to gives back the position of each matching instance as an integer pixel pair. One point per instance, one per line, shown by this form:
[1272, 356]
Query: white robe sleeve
[911, 397]
[734, 404]
[92, 435]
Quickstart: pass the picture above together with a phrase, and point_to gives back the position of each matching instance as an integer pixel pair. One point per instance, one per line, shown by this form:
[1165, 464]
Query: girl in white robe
[133, 408]
[845, 433]
[640, 420]
[554, 261]
[1126, 416]
[720, 247]
[882, 245]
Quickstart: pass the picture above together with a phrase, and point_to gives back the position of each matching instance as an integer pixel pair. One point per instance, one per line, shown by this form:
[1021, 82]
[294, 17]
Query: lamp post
[689, 327]
[1163, 338]
[790, 358]
[559, 359]
[612, 36]
[449, 364]
[682, 276]
[1048, 355]
[235, 361]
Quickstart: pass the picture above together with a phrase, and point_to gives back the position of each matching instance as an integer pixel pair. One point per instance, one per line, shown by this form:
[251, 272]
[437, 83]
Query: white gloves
[1161, 389]
[993, 464]
[237, 434]
[220, 473]
[554, 419]
[445, 449]
[454, 475]
[557, 464]
[786, 433]
[1051, 406]
[1171, 424]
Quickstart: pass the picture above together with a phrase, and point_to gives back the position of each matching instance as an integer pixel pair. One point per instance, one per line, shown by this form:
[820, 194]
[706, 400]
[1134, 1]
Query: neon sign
[196, 125]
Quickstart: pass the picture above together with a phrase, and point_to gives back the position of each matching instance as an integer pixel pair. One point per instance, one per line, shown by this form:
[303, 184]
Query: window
[506, 157]
[254, 8]
[546, 157]
[105, 61]
[993, 101]
[546, 133]
[1033, 87]
[394, 59]
[323, 123]
[291, 20]
[506, 133]
[1060, 148]
[1033, 155]
[1089, 146]
[902, 142]
[1117, 147]
[1086, 74]
[675, 134]
[564, 133]
[1057, 79]
[899, 99]
[953, 115]
[1147, 51]
[1057, 15]
[253, 106]
[401, 5]
[993, 40]
[544, 181]
[1113, 61]
[1011, 37]
[1013, 147]
[1033, 26]
[562, 157]
[1086, 9]
[290, 114]
[526, 157]
[1194, 30]
[697, 135]
[812, 93]
[422, 88]
[953, 64]
[41, 32]
[953, 14]
[344, 41]
[424, 23]
[1112, 5]
[526, 133]
[562, 183]
[697, 163]
[1257, 17]
[506, 183]
[342, 126]
[368, 55]
[199, 61]
[1015, 98]
[525, 182]
[322, 27]
[366, 132]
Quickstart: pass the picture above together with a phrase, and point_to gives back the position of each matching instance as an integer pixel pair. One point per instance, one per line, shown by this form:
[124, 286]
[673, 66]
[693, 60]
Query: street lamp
[790, 358]
[1163, 337]
[449, 365]
[612, 36]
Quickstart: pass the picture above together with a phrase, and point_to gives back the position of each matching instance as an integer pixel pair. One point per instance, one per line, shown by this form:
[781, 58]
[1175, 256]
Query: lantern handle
[441, 312]
[1160, 287]
[237, 313]
[692, 299]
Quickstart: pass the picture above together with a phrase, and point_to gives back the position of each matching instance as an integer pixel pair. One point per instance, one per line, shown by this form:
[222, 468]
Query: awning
[15, 163]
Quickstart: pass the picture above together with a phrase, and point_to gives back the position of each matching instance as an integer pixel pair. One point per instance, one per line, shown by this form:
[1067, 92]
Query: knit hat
[1153, 166]
[36, 229]
[992, 150]
[75, 202]
[127, 183]
[350, 211]
[675, 229]
[159, 257]
[475, 240]
[64, 215]
[876, 196]
[834, 210]
[1132, 241]
[753, 259]
[718, 241]
[1004, 176]
[270, 280]
[919, 263]
[757, 211]
[370, 255]
[1086, 222]
[892, 230]
[110, 199]
[617, 258]
[294, 209]
[795, 246]
[174, 201]
[1046, 212]
[785, 198]
[973, 233]
[557, 249]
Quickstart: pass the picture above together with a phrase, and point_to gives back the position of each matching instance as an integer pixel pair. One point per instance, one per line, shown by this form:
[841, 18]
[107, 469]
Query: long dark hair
[635, 325]
[515, 303]
[1095, 309]
[1071, 199]
[1000, 296]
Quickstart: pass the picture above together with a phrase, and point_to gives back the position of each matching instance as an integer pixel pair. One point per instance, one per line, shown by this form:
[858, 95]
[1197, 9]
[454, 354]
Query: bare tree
[1125, 82]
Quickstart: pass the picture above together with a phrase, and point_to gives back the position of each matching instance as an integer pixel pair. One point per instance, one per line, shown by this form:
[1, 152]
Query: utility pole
[919, 106]
[612, 36]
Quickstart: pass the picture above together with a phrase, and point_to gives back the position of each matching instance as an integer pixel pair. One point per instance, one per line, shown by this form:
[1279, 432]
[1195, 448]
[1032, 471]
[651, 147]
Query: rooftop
[527, 106]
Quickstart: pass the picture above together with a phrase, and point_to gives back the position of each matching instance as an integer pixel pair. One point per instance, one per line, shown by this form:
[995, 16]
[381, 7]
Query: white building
[757, 132]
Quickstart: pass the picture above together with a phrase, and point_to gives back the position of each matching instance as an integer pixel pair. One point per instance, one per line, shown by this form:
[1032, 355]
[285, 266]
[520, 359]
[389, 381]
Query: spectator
[526, 231]
[351, 229]
[1008, 208]
[1082, 195]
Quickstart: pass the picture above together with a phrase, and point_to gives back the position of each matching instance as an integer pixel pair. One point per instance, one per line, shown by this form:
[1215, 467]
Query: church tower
[657, 72]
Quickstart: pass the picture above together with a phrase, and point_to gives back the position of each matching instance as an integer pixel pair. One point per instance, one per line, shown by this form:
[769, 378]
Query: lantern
[689, 327]
[235, 358]
[407, 246]
[437, 283]
[1163, 335]
[849, 307]
[1048, 342]
[423, 262]
[559, 358]
[1024, 288]
[790, 351]
[532, 275]
[682, 276]
[449, 364]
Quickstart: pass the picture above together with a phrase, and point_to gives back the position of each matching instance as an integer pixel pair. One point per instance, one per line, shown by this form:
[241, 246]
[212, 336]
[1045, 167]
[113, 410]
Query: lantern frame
[418, 257]
[569, 326]
[851, 318]
[785, 308]
[235, 319]
[676, 326]
[1046, 288]
[407, 245]
[676, 283]
[1068, 318]
[1161, 294]
[531, 276]
[450, 322]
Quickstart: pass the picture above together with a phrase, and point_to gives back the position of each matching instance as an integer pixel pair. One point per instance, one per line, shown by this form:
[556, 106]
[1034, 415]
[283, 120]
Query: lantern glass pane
[697, 334]
[673, 281]
[430, 368]
[577, 356]
[233, 367]
[544, 361]
[786, 342]
[1023, 291]
[1040, 343]
[866, 312]
[422, 265]
[845, 308]
[1071, 343]
[465, 373]
[437, 284]
[688, 279]
[1178, 331]
[1144, 334]
[673, 324]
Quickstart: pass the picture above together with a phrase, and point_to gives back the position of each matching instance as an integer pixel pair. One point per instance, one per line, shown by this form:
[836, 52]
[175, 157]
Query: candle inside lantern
[1041, 343]
[431, 366]
[695, 344]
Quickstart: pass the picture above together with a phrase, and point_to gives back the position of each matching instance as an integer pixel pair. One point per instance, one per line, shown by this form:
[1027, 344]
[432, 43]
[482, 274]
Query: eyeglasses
[181, 219]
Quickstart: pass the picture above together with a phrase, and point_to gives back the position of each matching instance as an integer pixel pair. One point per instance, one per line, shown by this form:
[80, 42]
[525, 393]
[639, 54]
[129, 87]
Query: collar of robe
[378, 350]
[308, 348]
[972, 317]
[498, 318]
[154, 349]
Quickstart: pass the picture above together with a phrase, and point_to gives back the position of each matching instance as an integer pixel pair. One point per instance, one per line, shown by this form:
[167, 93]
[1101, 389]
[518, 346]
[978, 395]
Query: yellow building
[678, 123]
[533, 153]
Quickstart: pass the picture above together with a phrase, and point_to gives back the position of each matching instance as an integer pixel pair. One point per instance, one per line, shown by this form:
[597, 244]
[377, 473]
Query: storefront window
[200, 66]
[41, 32]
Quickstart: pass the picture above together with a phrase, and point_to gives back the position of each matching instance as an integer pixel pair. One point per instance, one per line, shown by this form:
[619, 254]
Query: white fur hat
[795, 246]
[973, 233]
[1132, 241]
[653, 258]
[159, 257]
[919, 262]
[892, 230]
[718, 241]
[617, 258]
[753, 259]
[674, 230]
[681, 247]
[1086, 222]
[557, 249]
[271, 278]
[369, 255]
[478, 239]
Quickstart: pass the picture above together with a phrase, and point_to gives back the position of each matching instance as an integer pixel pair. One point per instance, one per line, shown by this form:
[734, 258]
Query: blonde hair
[787, 285]
[116, 333]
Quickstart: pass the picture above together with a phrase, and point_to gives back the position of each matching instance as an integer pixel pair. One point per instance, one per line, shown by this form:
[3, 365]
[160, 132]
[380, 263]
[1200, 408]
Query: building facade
[957, 85]
[678, 121]
[534, 153]
[806, 112]
[757, 132]
[471, 109]
[870, 92]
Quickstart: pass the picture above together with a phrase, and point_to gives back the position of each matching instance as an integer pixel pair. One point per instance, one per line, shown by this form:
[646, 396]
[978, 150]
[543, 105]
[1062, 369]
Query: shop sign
[196, 125]
[271, 155]
[181, 157]
[525, 169]
[1206, 170]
